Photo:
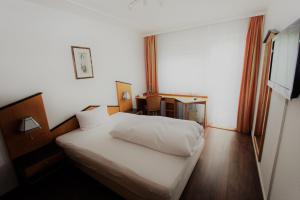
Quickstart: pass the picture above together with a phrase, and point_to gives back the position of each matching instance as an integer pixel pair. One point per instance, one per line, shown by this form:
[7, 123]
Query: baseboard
[259, 171]
[226, 129]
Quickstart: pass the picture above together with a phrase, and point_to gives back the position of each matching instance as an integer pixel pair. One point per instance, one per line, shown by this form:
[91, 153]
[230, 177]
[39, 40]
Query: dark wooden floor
[226, 170]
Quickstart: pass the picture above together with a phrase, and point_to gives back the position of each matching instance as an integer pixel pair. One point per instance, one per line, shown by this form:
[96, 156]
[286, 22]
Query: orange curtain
[250, 75]
[150, 61]
[265, 91]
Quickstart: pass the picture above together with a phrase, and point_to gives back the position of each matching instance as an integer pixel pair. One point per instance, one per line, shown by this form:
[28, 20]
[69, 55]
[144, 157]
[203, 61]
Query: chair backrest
[153, 103]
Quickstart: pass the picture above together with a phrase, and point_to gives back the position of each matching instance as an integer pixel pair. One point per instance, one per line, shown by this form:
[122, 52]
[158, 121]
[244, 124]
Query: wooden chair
[153, 105]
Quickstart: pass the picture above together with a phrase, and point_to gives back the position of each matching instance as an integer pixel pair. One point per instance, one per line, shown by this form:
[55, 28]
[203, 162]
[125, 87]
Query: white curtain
[205, 61]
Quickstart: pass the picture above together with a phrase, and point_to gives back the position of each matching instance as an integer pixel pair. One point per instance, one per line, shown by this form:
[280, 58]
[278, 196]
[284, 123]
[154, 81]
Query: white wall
[35, 56]
[280, 162]
[286, 183]
[205, 61]
[273, 130]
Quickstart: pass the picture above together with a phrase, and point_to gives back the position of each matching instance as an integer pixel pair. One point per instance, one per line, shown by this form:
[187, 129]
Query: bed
[132, 170]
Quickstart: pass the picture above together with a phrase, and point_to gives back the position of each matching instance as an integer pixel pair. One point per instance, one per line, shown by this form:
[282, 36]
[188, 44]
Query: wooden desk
[186, 100]
[134, 111]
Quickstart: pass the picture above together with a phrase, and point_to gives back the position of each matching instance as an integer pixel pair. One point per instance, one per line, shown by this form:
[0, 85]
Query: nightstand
[35, 165]
[135, 111]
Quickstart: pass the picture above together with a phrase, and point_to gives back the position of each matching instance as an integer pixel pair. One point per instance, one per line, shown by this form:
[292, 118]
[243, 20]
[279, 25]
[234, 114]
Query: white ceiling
[170, 15]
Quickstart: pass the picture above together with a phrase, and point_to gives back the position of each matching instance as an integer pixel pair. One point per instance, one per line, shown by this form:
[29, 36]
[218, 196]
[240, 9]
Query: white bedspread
[167, 135]
[145, 172]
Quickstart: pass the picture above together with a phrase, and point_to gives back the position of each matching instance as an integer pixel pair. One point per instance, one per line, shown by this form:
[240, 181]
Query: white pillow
[172, 136]
[92, 118]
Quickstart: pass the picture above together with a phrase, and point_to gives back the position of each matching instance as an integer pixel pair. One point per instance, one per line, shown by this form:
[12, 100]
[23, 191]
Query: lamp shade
[28, 124]
[126, 95]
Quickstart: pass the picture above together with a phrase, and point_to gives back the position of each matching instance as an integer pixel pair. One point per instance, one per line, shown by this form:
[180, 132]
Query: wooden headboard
[72, 123]
[19, 143]
[11, 115]
[125, 105]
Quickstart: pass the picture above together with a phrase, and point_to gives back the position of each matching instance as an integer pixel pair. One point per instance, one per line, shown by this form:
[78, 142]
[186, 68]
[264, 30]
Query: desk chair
[153, 105]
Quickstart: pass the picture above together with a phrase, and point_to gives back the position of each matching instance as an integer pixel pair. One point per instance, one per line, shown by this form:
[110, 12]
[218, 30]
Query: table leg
[205, 117]
[186, 112]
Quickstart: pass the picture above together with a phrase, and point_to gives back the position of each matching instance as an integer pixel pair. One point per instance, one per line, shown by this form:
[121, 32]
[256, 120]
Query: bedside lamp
[126, 96]
[28, 124]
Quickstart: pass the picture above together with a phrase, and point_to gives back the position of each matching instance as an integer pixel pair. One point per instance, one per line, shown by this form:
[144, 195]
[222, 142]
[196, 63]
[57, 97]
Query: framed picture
[82, 61]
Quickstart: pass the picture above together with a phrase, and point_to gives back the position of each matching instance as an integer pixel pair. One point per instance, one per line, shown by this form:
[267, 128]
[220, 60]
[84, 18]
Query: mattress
[144, 172]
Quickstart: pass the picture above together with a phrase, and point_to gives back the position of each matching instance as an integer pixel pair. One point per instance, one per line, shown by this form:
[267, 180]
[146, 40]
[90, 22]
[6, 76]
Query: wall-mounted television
[285, 64]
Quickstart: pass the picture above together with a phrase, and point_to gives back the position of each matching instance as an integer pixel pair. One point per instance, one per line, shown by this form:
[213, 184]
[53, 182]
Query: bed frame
[19, 144]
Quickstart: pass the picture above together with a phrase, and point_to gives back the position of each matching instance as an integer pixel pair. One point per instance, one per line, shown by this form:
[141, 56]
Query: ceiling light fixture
[133, 3]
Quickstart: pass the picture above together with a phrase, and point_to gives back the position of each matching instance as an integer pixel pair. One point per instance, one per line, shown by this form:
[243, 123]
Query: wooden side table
[35, 165]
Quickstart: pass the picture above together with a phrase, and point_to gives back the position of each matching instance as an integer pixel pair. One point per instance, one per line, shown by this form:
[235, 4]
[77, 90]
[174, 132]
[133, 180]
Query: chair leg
[150, 113]
[154, 113]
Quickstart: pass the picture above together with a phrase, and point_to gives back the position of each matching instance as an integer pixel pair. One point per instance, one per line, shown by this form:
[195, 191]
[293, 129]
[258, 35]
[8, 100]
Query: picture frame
[82, 61]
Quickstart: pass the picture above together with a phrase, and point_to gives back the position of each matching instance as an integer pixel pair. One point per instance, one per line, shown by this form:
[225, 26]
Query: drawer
[43, 165]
